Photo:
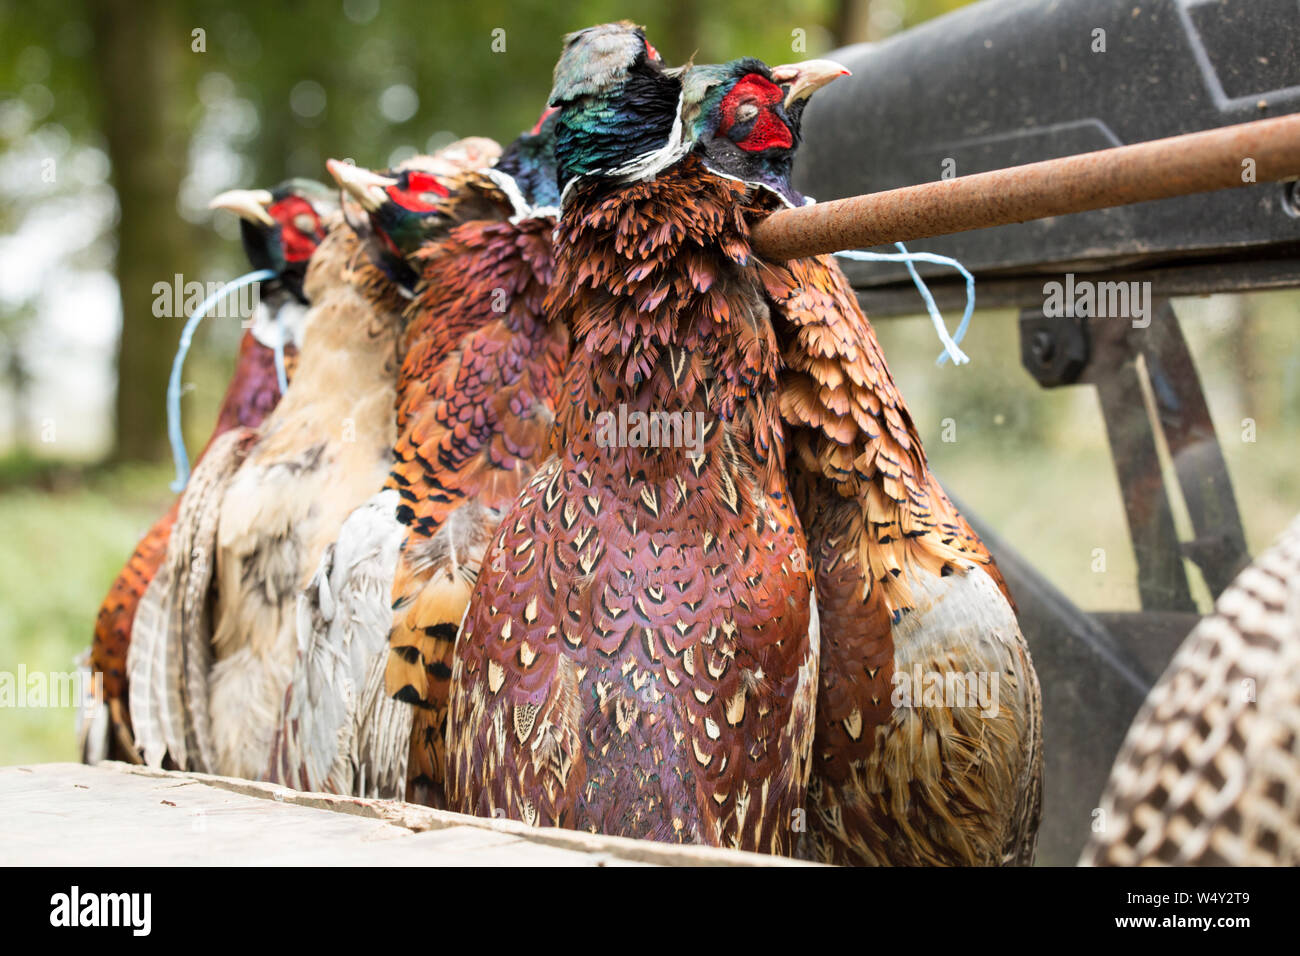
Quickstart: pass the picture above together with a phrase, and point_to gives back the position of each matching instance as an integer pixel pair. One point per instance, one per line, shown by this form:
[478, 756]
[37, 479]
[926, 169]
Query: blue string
[180, 455]
[950, 349]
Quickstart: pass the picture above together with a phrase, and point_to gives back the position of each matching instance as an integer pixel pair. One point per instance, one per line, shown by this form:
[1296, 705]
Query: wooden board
[115, 814]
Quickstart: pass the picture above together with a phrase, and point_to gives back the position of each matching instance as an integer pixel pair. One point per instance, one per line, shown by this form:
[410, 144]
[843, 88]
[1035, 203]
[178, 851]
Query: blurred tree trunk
[137, 58]
[852, 22]
[19, 380]
[684, 20]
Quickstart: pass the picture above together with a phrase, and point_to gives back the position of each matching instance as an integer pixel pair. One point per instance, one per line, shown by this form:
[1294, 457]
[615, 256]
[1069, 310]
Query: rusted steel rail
[1177, 166]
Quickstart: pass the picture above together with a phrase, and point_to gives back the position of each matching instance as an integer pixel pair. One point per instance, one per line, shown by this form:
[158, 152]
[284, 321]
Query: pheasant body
[1209, 773]
[252, 393]
[475, 398]
[639, 656]
[317, 457]
[482, 391]
[907, 592]
[260, 510]
[909, 595]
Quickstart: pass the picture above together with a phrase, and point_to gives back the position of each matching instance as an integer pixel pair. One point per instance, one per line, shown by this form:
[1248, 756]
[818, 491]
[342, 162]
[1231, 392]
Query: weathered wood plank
[115, 814]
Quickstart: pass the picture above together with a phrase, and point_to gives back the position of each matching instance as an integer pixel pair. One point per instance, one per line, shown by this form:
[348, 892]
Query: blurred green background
[119, 119]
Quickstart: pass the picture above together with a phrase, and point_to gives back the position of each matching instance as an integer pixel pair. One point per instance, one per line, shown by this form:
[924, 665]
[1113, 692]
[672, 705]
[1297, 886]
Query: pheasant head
[744, 117]
[282, 227]
[529, 162]
[404, 206]
[617, 104]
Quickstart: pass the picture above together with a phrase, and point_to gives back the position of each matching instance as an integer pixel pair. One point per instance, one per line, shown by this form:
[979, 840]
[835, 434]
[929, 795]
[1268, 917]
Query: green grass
[62, 550]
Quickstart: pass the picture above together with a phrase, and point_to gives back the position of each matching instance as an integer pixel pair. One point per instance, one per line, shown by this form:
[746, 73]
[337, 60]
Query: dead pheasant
[908, 595]
[1209, 774]
[259, 512]
[477, 408]
[474, 405]
[639, 656]
[281, 228]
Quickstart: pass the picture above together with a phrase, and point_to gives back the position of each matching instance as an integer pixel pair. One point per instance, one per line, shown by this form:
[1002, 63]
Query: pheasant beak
[806, 78]
[249, 204]
[364, 186]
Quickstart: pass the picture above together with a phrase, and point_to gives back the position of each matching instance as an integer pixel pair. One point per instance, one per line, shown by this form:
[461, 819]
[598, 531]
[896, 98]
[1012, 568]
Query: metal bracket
[1054, 351]
[1117, 358]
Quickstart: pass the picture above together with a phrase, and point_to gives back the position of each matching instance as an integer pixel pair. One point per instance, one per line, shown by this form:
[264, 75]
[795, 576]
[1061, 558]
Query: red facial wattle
[416, 184]
[296, 244]
[768, 131]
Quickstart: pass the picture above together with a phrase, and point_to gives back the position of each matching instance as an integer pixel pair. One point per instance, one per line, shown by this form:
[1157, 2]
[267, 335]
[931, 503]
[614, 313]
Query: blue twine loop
[950, 349]
[180, 455]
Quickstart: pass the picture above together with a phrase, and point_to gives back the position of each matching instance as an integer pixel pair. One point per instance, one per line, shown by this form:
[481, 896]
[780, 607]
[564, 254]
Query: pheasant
[280, 229]
[333, 712]
[907, 592]
[639, 655]
[477, 410]
[475, 398]
[259, 512]
[1209, 774]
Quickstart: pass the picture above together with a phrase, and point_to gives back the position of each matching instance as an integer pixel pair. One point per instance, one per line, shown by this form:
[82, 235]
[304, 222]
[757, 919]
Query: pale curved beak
[807, 78]
[247, 204]
[364, 186]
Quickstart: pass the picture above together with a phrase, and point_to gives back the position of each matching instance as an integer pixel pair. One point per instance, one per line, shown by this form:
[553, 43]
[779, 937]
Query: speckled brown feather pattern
[476, 403]
[639, 656]
[252, 393]
[1209, 774]
[905, 585]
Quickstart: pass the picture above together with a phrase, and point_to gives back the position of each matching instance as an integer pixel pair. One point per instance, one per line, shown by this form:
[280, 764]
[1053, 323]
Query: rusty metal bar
[1160, 169]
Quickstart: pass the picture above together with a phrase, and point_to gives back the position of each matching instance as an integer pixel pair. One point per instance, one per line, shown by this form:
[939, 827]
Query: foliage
[62, 552]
